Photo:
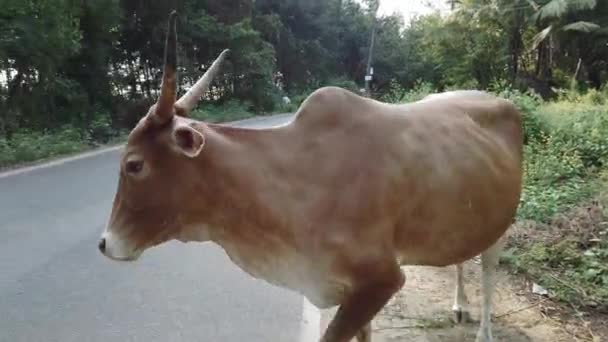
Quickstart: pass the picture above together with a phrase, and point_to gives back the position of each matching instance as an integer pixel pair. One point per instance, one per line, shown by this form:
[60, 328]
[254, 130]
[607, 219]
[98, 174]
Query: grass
[568, 252]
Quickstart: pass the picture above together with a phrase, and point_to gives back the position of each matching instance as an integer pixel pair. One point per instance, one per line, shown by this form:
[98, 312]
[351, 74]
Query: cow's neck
[244, 168]
[242, 177]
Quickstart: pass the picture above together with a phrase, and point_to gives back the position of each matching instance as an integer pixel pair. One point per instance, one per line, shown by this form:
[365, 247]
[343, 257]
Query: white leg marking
[460, 297]
[489, 261]
[310, 327]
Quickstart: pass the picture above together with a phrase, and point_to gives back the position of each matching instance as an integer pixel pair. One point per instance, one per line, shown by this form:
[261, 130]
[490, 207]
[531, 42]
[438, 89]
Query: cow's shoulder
[331, 106]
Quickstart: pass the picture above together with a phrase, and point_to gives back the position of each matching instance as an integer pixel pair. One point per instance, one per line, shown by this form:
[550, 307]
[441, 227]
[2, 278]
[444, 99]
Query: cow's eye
[134, 166]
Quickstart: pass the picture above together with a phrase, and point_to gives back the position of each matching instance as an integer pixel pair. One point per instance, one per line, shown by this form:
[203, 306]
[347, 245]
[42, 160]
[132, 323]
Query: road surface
[56, 286]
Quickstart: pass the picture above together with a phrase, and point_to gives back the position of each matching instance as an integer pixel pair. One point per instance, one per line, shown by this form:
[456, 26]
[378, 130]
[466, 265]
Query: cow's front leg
[373, 291]
[365, 334]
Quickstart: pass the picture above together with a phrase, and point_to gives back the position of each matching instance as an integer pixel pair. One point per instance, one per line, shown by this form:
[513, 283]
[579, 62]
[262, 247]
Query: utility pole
[369, 69]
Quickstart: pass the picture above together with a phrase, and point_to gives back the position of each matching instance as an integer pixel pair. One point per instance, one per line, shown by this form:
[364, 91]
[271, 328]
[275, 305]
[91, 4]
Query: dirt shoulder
[421, 311]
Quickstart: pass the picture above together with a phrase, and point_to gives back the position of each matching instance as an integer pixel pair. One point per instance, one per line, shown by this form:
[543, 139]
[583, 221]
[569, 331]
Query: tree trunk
[593, 75]
[578, 68]
[515, 45]
[542, 62]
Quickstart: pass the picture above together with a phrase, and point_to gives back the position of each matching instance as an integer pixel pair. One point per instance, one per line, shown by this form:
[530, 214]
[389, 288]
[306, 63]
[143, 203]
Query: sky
[409, 8]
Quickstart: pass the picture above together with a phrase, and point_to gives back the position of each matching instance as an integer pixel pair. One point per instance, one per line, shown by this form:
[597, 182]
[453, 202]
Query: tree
[38, 37]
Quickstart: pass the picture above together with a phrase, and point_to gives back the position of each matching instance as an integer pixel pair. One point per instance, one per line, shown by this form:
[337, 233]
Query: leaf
[553, 9]
[559, 8]
[592, 273]
[602, 31]
[581, 5]
[581, 26]
[540, 36]
[534, 5]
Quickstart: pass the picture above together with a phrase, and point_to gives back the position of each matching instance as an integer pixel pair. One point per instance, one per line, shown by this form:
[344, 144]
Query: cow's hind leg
[460, 307]
[489, 262]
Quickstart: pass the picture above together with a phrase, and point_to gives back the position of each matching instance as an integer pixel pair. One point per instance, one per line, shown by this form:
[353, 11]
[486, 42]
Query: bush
[562, 156]
[594, 97]
[564, 166]
[26, 146]
[343, 82]
[7, 153]
[527, 102]
[579, 127]
[100, 129]
[397, 94]
[228, 111]
[29, 145]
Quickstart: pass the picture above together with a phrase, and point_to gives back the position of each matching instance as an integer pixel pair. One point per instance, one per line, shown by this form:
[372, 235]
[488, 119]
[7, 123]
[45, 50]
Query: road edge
[43, 164]
[59, 161]
[310, 325]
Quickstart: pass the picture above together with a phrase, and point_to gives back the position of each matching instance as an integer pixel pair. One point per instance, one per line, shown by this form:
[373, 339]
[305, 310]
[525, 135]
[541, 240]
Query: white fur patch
[117, 248]
[289, 270]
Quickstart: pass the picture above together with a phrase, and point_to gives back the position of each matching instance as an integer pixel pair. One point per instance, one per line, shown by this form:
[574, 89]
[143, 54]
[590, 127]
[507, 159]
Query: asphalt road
[56, 286]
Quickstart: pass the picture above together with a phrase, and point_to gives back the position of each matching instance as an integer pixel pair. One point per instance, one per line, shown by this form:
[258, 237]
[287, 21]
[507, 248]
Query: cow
[332, 204]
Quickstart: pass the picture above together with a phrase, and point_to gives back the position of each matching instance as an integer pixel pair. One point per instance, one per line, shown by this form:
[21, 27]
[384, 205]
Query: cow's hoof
[461, 316]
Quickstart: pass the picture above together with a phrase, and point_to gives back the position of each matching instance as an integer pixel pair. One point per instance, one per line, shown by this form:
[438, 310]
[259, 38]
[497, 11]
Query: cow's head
[150, 205]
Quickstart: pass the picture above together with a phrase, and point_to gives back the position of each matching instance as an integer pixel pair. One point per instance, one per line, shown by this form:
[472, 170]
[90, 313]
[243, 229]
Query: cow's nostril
[102, 245]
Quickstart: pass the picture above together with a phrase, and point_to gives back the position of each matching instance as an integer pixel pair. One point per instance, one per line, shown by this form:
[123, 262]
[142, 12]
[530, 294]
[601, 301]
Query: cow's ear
[189, 141]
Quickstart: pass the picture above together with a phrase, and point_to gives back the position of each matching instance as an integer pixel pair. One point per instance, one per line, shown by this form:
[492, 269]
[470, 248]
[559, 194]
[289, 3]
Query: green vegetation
[565, 249]
[574, 270]
[28, 146]
[229, 111]
[568, 147]
[33, 145]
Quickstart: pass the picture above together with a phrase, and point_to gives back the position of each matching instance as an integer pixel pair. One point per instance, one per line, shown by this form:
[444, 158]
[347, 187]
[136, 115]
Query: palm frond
[558, 8]
[581, 5]
[540, 36]
[581, 26]
[552, 9]
[534, 5]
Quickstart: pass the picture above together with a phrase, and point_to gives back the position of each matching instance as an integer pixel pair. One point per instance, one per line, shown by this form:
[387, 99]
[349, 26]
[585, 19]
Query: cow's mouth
[130, 258]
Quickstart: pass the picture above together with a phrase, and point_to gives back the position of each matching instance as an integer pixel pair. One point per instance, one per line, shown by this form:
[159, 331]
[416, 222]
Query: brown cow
[331, 204]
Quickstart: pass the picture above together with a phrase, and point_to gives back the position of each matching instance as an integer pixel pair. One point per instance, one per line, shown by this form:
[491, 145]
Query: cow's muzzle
[114, 248]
